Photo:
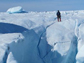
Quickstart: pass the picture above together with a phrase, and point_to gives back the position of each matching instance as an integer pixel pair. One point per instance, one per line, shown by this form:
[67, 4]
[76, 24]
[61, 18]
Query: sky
[42, 5]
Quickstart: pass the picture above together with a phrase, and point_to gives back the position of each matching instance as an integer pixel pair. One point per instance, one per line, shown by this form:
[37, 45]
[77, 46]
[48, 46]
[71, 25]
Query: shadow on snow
[10, 28]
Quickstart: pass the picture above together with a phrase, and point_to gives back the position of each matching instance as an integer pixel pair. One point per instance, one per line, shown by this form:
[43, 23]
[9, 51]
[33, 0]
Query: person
[58, 16]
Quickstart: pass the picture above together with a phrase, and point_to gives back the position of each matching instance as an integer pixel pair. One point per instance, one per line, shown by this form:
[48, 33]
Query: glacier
[37, 37]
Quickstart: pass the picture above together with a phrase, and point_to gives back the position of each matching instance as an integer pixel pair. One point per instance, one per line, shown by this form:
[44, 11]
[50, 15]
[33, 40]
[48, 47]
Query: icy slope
[37, 37]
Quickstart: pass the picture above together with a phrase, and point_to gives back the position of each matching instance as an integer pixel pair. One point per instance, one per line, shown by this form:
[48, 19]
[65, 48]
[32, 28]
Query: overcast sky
[43, 5]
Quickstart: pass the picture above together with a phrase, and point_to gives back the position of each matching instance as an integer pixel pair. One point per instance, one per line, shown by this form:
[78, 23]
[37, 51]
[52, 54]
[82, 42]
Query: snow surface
[37, 37]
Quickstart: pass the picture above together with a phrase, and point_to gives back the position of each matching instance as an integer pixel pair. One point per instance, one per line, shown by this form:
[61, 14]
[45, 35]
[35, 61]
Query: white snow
[80, 55]
[11, 59]
[37, 37]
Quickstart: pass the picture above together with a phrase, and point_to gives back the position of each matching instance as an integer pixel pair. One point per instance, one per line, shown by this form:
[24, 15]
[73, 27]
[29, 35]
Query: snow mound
[17, 9]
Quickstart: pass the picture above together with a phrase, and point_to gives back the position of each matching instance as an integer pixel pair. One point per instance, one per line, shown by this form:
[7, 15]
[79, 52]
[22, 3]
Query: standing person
[58, 15]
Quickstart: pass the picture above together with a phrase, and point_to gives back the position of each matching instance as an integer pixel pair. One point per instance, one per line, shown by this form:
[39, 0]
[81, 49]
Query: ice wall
[31, 49]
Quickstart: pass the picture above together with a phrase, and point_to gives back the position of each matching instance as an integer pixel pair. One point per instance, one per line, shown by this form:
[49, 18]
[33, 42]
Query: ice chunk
[17, 9]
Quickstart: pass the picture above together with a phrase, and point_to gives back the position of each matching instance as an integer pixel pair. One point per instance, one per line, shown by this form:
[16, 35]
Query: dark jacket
[58, 14]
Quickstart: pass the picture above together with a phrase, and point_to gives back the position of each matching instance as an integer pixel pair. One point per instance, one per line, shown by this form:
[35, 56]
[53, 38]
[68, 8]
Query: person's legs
[60, 19]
